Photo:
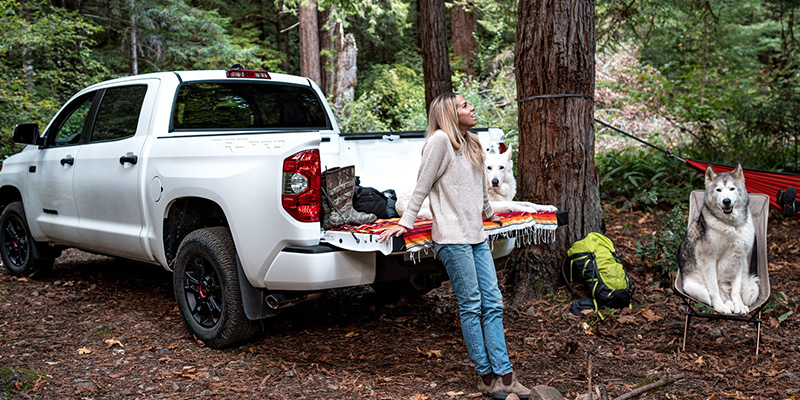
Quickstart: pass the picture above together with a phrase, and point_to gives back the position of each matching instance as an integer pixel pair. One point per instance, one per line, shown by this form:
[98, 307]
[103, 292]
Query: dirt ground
[99, 328]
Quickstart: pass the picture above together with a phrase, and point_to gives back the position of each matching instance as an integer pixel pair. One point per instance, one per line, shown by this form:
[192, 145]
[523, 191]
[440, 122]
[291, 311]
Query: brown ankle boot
[501, 391]
[485, 389]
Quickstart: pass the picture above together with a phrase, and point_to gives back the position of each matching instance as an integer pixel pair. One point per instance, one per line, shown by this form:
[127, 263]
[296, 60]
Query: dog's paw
[740, 308]
[539, 207]
[723, 308]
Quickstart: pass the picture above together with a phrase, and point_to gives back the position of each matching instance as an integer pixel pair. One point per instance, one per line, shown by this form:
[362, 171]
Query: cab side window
[118, 114]
[68, 130]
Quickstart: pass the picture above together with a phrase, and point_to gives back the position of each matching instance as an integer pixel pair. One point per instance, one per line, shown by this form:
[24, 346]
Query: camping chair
[759, 208]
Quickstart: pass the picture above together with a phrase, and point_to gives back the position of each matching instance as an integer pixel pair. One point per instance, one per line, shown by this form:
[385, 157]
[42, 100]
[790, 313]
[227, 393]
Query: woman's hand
[396, 230]
[496, 219]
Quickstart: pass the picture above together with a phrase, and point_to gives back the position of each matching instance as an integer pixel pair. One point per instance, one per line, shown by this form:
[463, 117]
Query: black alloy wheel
[15, 242]
[22, 256]
[203, 291]
[206, 284]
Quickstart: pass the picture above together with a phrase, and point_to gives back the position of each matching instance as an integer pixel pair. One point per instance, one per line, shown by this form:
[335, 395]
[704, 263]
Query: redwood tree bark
[309, 41]
[433, 42]
[463, 24]
[327, 49]
[555, 48]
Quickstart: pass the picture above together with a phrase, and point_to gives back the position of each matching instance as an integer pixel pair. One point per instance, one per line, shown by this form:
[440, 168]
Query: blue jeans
[480, 304]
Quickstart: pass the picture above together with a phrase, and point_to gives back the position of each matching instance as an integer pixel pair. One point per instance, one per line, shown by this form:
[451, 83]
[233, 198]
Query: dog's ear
[710, 174]
[509, 151]
[737, 173]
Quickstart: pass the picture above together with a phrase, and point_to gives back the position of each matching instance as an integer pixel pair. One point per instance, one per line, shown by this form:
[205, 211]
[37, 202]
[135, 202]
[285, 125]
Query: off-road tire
[22, 256]
[206, 287]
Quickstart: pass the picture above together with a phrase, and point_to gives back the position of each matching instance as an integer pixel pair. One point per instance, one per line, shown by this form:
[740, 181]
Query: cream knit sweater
[457, 192]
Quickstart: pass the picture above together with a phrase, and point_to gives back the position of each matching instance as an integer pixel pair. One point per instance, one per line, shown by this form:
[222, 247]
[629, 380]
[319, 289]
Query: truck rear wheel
[20, 253]
[207, 289]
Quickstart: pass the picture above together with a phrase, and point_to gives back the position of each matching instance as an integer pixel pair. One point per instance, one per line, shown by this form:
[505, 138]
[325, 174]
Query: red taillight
[301, 196]
[246, 73]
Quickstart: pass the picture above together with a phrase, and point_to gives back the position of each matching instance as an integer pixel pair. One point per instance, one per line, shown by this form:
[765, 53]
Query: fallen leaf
[84, 350]
[627, 319]
[454, 394]
[650, 316]
[700, 361]
[111, 342]
[430, 353]
[351, 334]
[22, 279]
[188, 372]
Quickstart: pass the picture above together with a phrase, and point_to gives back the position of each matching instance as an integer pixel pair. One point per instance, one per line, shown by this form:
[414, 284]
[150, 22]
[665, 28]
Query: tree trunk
[555, 49]
[134, 56]
[309, 41]
[462, 29]
[344, 88]
[281, 36]
[433, 42]
[327, 47]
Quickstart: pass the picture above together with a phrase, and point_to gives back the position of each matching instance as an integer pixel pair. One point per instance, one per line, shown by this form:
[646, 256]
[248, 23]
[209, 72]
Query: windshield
[244, 105]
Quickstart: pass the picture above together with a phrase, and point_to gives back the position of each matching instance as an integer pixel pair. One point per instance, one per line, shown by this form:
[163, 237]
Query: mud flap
[254, 300]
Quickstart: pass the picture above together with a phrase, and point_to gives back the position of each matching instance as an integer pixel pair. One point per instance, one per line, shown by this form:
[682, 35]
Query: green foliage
[45, 57]
[494, 100]
[361, 115]
[399, 93]
[642, 178]
[778, 303]
[172, 35]
[730, 73]
[659, 248]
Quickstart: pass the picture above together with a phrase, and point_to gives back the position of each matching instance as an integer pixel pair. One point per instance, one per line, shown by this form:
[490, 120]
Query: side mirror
[26, 134]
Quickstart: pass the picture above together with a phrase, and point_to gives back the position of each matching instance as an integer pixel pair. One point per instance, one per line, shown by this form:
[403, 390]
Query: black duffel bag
[370, 200]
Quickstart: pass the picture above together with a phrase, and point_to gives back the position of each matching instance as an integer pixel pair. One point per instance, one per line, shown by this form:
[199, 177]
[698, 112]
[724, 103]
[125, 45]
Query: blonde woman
[451, 175]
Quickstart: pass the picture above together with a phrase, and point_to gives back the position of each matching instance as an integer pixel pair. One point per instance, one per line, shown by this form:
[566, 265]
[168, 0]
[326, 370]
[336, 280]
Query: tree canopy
[723, 73]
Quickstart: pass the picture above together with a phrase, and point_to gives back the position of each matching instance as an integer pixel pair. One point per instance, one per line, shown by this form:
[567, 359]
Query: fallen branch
[666, 380]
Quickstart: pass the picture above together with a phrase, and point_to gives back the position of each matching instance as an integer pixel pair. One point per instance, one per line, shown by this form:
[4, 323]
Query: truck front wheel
[18, 249]
[207, 289]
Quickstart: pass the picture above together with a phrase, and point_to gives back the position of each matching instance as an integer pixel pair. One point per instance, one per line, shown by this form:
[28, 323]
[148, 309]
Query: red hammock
[756, 181]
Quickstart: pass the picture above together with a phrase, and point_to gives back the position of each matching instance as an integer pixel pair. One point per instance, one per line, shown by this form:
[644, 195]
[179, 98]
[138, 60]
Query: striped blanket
[530, 228]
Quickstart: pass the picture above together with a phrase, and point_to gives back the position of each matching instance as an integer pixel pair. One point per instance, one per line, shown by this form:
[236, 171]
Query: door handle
[67, 160]
[128, 158]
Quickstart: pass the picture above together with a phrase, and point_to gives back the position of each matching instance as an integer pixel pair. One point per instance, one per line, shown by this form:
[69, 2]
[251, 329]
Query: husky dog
[500, 185]
[713, 257]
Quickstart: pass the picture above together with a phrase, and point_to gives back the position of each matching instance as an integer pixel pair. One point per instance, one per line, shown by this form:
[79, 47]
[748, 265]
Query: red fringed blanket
[530, 228]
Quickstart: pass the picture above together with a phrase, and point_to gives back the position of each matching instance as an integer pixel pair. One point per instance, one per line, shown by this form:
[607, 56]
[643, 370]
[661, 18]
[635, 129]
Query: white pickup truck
[214, 175]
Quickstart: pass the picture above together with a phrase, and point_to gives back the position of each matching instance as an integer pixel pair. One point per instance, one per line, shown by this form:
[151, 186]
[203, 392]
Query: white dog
[500, 184]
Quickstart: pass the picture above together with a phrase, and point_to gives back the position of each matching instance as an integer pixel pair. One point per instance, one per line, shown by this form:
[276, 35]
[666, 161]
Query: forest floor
[98, 328]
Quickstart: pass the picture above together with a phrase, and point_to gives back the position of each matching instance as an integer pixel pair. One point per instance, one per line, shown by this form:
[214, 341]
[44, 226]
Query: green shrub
[642, 178]
[399, 94]
[660, 248]
[361, 115]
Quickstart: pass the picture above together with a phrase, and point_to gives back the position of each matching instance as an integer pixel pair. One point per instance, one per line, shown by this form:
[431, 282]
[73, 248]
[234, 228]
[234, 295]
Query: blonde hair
[443, 115]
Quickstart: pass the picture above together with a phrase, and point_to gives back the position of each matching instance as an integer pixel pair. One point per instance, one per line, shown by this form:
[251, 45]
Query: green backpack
[593, 262]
